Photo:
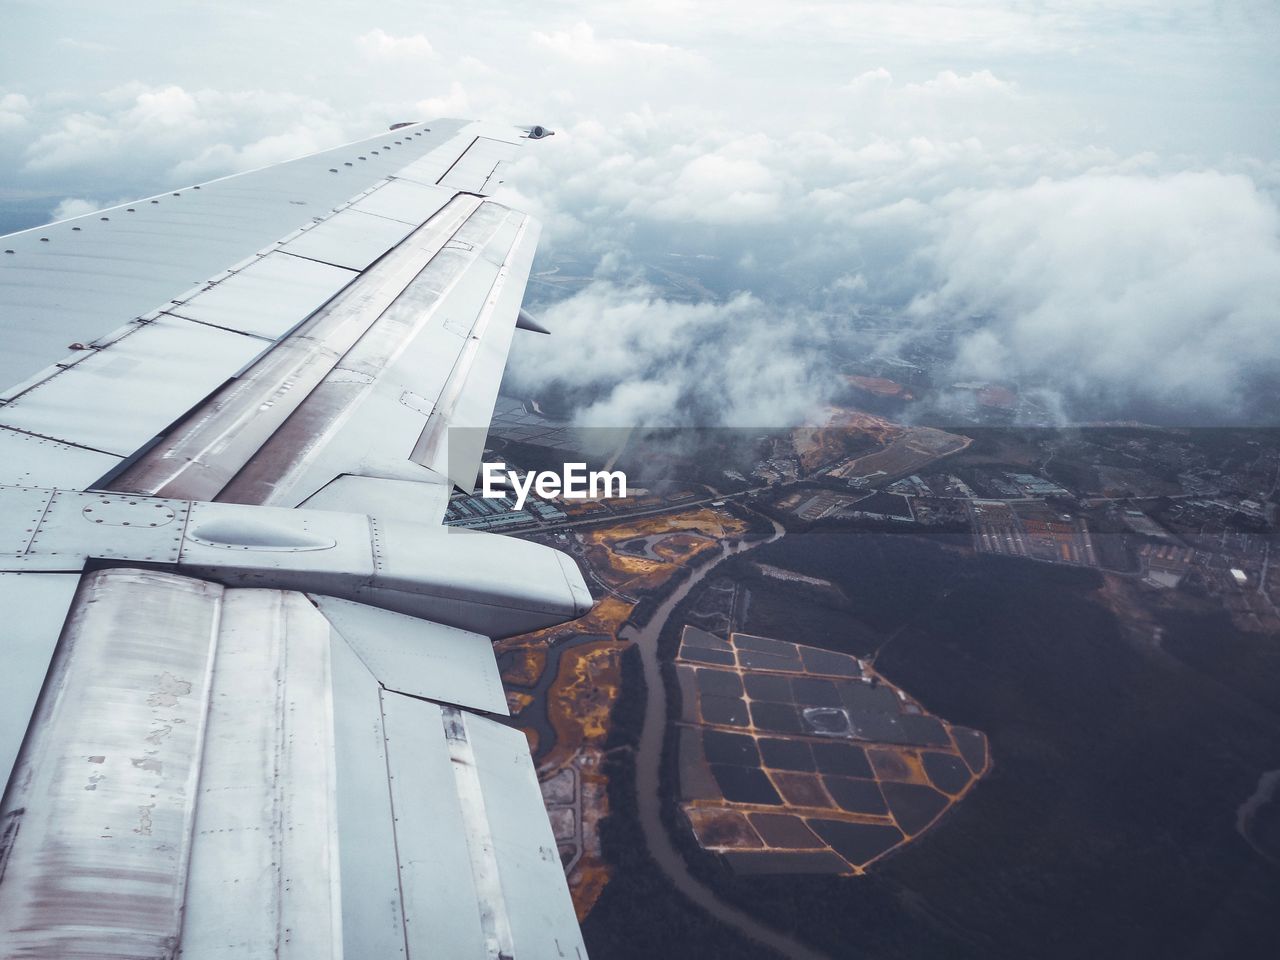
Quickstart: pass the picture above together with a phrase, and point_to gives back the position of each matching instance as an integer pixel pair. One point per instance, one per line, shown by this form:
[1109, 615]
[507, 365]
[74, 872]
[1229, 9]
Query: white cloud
[1075, 280]
[75, 207]
[79, 138]
[663, 363]
[377, 44]
[13, 111]
[171, 133]
[949, 85]
[827, 153]
[298, 140]
[580, 44]
[455, 103]
[734, 184]
[949, 105]
[641, 402]
[474, 65]
[1159, 288]
[170, 107]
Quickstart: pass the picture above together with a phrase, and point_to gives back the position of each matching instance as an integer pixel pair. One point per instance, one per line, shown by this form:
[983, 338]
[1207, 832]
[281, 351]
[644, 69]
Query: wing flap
[534, 894]
[263, 878]
[200, 457]
[390, 499]
[464, 788]
[215, 771]
[418, 657]
[98, 813]
[369, 871]
[431, 360]
[448, 908]
[35, 606]
[452, 441]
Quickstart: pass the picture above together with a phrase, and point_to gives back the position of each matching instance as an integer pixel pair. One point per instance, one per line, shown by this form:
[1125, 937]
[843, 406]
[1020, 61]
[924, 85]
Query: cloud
[580, 44]
[949, 105]
[638, 402]
[13, 111]
[1111, 282]
[299, 139]
[638, 358]
[147, 135]
[949, 85]
[1159, 288]
[455, 103]
[377, 44]
[169, 107]
[75, 207]
[733, 184]
[80, 138]
[832, 160]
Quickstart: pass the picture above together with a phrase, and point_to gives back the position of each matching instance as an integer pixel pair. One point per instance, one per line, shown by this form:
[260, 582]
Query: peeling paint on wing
[144, 819]
[169, 689]
[99, 867]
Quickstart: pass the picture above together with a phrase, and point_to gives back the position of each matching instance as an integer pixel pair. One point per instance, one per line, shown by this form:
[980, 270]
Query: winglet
[525, 321]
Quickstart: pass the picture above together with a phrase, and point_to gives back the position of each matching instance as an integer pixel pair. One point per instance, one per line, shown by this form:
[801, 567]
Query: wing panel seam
[485, 871]
[327, 263]
[457, 160]
[65, 443]
[395, 834]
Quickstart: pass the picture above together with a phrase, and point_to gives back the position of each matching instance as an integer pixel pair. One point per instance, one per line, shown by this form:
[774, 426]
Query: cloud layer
[1080, 195]
[628, 356]
[1159, 287]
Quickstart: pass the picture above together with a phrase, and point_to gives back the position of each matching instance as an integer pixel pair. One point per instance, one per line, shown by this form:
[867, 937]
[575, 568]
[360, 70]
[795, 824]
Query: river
[649, 761]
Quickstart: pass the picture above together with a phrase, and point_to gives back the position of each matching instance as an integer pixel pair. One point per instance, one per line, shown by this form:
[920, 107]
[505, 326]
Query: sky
[1084, 195]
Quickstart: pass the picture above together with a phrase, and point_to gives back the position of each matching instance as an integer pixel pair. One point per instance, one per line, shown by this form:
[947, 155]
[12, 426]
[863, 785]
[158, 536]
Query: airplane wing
[248, 693]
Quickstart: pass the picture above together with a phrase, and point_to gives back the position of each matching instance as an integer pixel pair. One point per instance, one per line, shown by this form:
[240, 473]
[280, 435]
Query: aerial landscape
[939, 346]
[793, 629]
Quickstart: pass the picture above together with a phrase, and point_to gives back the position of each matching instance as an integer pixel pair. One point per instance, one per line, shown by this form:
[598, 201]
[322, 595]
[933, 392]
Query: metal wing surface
[248, 690]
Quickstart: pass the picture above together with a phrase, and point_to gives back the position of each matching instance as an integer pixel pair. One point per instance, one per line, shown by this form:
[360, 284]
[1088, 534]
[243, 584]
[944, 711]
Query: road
[620, 517]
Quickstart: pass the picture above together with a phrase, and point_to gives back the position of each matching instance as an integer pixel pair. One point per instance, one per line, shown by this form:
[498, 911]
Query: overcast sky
[1090, 187]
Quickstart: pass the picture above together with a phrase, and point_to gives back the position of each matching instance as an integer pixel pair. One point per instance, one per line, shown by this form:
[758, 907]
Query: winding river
[649, 760]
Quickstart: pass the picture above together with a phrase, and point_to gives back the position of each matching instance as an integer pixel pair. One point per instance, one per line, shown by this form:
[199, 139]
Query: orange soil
[880, 386]
[587, 683]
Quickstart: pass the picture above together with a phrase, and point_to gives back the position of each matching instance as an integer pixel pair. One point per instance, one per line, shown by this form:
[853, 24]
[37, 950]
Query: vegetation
[1246, 662]
[1107, 828]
